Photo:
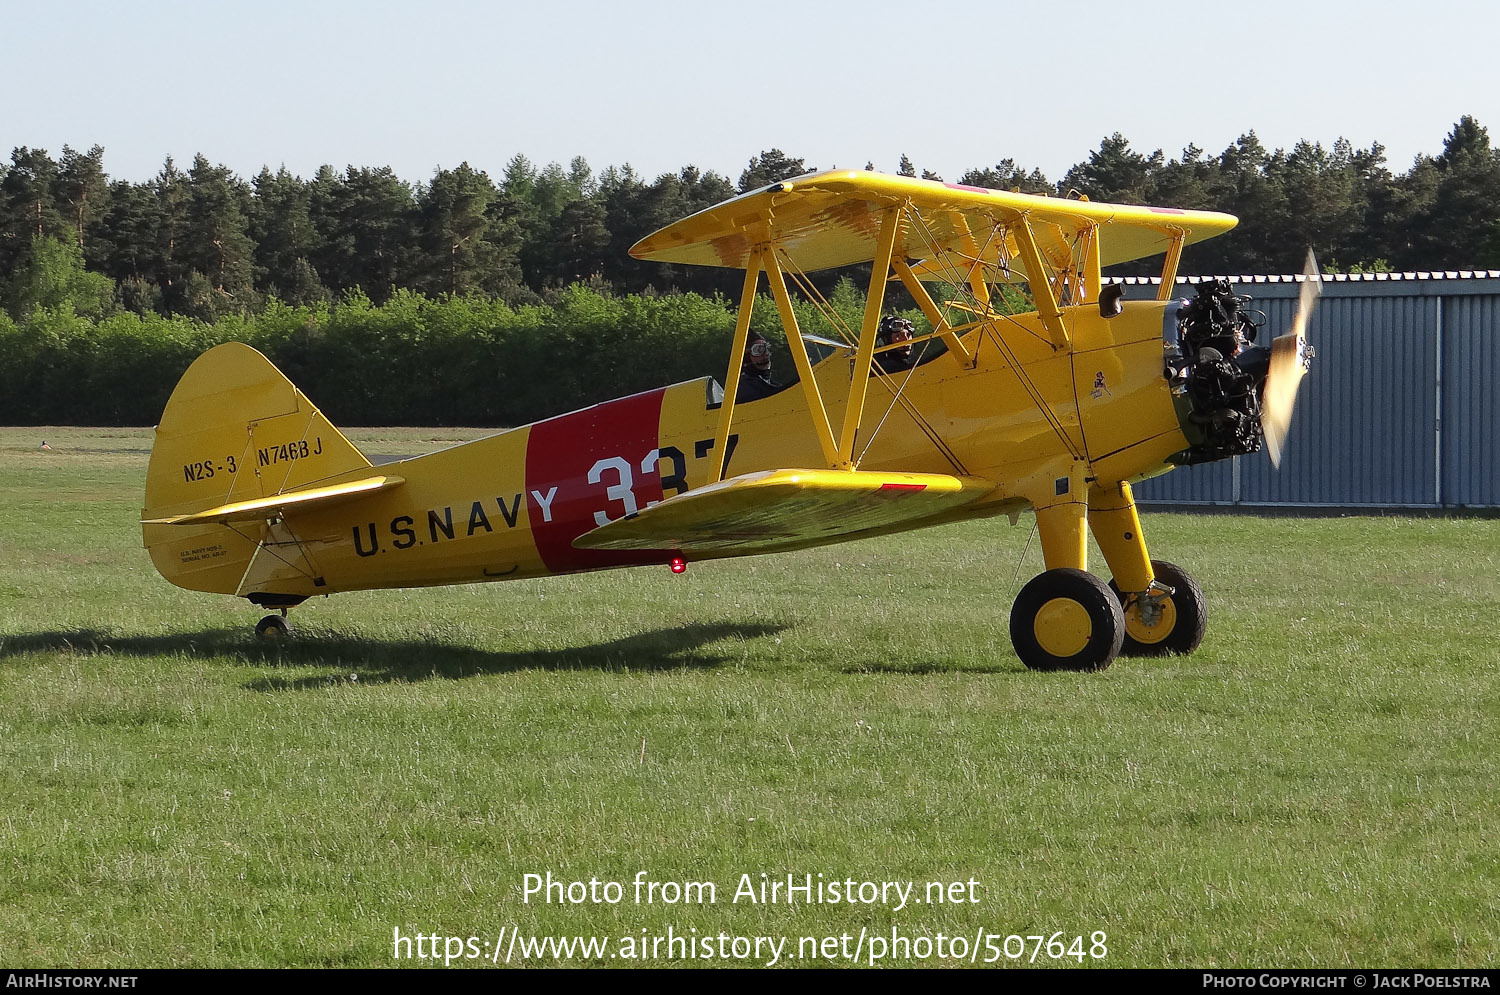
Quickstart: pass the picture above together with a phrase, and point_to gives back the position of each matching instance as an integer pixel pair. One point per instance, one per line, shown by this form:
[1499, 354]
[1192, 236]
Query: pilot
[755, 374]
[894, 329]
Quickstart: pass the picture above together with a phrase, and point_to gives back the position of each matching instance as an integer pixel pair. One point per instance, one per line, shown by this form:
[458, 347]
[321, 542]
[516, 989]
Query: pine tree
[215, 239]
[28, 206]
[366, 220]
[331, 251]
[462, 254]
[83, 186]
[170, 188]
[1243, 187]
[579, 241]
[770, 166]
[1114, 172]
[285, 238]
[127, 236]
[1463, 231]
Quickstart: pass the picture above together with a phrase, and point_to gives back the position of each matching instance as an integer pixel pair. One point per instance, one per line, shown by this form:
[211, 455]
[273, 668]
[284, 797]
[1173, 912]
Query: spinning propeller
[1290, 358]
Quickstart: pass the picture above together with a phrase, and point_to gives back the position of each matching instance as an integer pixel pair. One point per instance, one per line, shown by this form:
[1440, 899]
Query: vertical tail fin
[234, 429]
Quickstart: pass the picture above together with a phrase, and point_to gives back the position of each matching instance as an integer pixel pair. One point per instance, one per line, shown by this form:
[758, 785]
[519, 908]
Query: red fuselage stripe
[595, 462]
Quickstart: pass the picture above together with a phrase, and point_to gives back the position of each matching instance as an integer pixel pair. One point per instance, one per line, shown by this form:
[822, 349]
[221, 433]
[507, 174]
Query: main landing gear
[1068, 619]
[1169, 618]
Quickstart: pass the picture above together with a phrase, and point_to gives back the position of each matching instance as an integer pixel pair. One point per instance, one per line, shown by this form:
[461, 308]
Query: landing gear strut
[1068, 619]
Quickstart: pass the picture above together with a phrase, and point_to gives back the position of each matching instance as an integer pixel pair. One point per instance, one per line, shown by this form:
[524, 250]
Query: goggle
[760, 349]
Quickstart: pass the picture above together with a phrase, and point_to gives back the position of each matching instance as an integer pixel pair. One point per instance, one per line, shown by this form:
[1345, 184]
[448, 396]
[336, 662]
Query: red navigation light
[678, 564]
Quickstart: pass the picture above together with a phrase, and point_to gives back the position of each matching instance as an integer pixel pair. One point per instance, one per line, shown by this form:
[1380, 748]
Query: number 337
[623, 489]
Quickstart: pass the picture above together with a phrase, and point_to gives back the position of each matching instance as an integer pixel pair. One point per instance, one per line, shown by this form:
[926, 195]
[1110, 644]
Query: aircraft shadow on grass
[916, 668]
[375, 661]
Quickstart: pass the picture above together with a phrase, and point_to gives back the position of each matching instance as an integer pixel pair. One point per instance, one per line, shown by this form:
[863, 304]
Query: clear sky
[660, 84]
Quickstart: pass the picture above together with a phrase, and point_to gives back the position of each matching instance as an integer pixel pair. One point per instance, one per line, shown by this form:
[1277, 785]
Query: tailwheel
[1066, 619]
[273, 628]
[1170, 618]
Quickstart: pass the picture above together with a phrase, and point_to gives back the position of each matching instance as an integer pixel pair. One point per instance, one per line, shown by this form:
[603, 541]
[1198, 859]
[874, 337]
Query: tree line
[454, 359]
[469, 301]
[205, 243]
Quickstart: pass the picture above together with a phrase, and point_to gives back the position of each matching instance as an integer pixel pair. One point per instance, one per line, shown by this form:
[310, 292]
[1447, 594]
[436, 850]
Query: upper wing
[830, 219]
[773, 509]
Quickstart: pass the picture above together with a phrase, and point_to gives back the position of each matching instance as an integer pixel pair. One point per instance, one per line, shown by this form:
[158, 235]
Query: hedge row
[411, 361]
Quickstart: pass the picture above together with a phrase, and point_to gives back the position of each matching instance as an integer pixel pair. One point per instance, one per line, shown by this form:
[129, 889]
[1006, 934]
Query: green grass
[1314, 787]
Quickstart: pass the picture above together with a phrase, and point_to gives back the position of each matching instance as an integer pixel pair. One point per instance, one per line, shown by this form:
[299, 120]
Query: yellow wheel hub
[1166, 621]
[1062, 627]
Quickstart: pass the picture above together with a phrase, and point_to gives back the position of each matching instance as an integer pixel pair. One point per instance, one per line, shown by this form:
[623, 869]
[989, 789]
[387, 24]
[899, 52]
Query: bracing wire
[1024, 550]
[898, 396]
[822, 305]
[819, 302]
[1027, 384]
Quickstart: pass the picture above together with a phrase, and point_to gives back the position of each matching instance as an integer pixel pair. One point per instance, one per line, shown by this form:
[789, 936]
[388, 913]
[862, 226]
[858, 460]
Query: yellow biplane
[252, 492]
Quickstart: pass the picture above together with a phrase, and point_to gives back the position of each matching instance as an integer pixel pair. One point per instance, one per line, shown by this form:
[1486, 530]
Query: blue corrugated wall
[1399, 410]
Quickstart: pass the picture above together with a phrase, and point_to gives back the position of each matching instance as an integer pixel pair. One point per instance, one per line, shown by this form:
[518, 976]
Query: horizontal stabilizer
[278, 504]
[774, 509]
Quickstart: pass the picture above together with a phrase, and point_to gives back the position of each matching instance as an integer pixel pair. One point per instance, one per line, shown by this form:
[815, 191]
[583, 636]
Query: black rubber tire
[1191, 614]
[273, 628]
[1106, 622]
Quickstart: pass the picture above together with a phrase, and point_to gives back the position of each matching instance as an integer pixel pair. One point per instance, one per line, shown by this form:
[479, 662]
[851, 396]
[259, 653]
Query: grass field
[1315, 787]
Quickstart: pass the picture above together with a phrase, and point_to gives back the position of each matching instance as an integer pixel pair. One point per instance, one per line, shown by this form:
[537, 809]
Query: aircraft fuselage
[510, 505]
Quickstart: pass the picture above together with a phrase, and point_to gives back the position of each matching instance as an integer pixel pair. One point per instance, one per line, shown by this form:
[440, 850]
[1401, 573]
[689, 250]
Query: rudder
[234, 429]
